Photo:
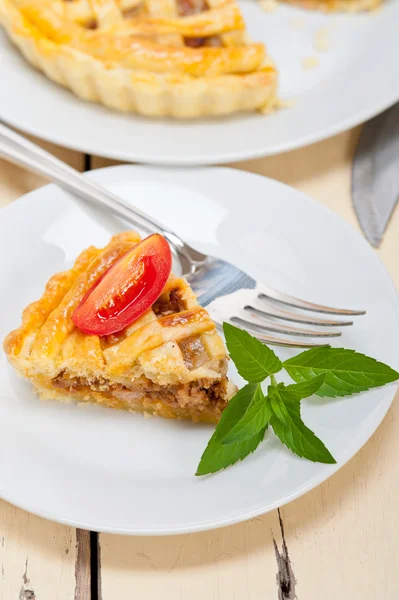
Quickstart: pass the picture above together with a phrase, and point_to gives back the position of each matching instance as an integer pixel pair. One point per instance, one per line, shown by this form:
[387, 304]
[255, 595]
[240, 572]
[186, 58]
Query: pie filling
[185, 8]
[195, 396]
[194, 7]
[169, 303]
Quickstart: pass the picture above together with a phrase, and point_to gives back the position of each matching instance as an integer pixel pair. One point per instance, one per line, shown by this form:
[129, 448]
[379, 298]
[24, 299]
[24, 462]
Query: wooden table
[338, 542]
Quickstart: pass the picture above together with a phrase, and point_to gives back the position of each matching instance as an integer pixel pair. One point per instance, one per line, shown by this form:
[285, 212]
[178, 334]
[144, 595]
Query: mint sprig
[327, 372]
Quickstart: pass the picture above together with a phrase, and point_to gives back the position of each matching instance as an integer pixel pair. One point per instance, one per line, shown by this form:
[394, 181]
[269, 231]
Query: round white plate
[357, 77]
[114, 471]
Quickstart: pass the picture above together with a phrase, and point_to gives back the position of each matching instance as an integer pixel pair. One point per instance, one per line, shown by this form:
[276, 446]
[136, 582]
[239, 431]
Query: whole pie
[169, 362]
[181, 58]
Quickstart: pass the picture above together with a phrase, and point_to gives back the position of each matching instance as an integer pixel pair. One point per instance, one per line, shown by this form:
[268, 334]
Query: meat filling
[196, 395]
[194, 7]
[169, 304]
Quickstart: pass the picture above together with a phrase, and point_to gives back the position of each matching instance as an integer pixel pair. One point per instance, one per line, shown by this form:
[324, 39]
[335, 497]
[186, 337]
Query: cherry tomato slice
[127, 289]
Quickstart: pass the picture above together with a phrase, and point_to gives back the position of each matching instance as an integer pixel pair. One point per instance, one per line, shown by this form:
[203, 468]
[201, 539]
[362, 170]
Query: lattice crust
[170, 362]
[183, 58]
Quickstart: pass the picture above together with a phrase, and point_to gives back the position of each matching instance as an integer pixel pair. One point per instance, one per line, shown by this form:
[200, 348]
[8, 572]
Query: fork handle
[17, 149]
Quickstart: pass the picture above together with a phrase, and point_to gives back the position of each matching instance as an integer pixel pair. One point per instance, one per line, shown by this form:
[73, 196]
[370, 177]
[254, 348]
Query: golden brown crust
[44, 315]
[141, 62]
[36, 314]
[172, 350]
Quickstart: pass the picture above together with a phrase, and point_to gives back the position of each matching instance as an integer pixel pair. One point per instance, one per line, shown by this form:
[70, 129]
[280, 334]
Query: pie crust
[154, 57]
[171, 362]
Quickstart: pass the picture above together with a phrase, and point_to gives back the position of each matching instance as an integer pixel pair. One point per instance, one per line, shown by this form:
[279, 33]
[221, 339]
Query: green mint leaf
[278, 407]
[306, 388]
[292, 394]
[346, 371]
[292, 431]
[254, 360]
[219, 456]
[254, 420]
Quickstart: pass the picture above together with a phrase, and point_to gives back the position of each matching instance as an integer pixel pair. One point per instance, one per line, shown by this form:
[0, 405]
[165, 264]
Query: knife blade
[375, 174]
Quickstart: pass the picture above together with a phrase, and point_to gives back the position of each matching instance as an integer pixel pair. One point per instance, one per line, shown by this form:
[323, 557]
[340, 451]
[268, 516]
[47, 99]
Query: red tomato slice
[127, 289]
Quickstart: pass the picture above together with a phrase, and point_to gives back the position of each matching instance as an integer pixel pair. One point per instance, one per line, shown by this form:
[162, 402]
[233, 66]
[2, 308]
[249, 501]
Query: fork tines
[261, 310]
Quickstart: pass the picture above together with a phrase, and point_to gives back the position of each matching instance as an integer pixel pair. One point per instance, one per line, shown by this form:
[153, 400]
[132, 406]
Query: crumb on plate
[321, 40]
[268, 5]
[282, 104]
[310, 62]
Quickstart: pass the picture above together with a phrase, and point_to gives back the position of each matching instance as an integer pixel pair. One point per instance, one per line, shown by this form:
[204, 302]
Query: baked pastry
[180, 58]
[170, 362]
[337, 5]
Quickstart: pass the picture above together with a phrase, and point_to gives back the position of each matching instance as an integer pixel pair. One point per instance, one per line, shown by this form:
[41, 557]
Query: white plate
[113, 471]
[357, 78]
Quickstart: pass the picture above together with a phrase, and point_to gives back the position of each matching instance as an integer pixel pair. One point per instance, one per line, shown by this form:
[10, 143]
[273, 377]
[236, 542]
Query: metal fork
[228, 293]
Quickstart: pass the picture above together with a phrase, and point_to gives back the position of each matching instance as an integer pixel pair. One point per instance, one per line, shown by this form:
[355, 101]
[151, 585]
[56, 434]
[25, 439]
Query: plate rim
[312, 483]
[205, 160]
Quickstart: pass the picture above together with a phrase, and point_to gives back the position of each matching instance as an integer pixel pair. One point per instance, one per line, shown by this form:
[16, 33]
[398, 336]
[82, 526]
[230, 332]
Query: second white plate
[114, 471]
[357, 77]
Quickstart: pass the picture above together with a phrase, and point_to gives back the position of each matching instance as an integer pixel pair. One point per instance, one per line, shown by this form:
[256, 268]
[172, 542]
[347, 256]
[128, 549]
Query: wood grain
[341, 538]
[37, 557]
[82, 565]
[236, 562]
